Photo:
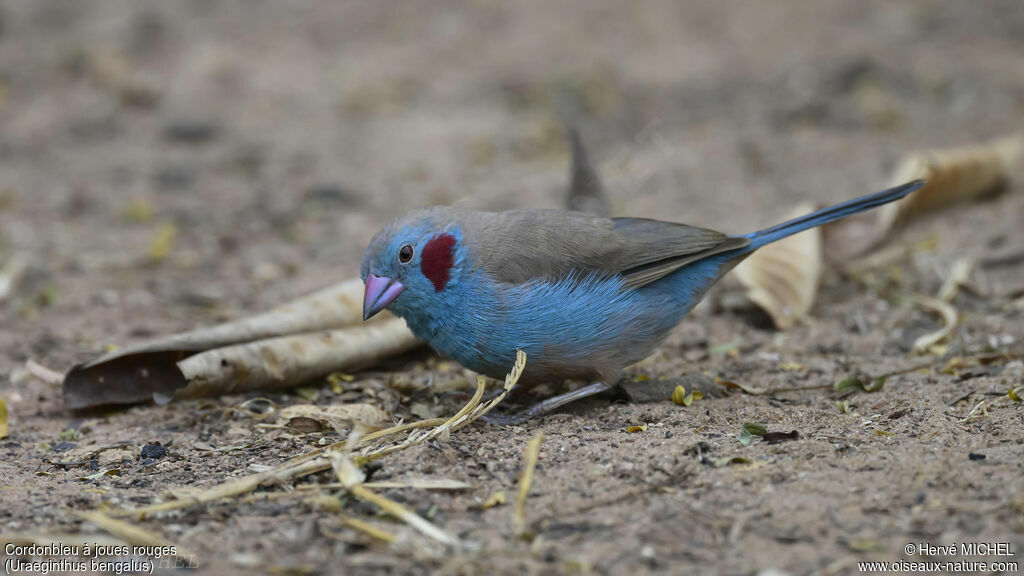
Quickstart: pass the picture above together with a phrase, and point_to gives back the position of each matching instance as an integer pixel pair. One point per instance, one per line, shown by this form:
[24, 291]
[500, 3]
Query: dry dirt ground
[167, 165]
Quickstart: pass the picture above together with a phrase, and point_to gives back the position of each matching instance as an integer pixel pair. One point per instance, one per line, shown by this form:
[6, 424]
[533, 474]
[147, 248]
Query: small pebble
[153, 451]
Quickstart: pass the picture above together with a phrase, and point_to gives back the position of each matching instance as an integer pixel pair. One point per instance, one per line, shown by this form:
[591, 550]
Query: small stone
[153, 451]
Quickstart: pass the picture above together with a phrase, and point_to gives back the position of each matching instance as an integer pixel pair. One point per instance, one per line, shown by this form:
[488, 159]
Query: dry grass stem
[530, 456]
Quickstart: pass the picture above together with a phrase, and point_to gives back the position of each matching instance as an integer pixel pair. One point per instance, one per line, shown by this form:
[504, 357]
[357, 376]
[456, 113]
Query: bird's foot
[546, 406]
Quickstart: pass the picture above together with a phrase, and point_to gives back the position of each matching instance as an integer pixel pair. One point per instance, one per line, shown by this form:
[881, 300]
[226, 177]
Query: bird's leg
[548, 405]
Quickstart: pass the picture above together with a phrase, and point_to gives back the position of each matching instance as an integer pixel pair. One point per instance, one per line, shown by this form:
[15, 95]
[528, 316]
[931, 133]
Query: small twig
[974, 413]
[367, 528]
[949, 318]
[404, 514]
[44, 374]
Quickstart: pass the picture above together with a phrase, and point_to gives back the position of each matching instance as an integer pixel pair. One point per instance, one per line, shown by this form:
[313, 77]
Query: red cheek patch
[437, 260]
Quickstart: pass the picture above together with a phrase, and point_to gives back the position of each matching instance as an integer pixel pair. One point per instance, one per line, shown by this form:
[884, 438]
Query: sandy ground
[169, 165]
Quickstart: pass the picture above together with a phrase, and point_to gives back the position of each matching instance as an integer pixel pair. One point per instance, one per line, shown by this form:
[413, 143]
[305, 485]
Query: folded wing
[521, 245]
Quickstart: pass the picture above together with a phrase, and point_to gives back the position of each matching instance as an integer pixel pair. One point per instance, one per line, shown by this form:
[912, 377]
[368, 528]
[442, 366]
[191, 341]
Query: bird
[583, 295]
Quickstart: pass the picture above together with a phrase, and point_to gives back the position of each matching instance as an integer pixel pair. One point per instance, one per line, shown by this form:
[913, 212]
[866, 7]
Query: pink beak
[380, 291]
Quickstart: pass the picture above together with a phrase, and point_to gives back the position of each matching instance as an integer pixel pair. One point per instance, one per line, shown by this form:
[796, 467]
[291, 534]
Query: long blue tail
[826, 215]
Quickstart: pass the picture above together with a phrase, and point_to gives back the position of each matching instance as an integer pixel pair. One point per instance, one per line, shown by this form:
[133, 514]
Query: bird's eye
[405, 254]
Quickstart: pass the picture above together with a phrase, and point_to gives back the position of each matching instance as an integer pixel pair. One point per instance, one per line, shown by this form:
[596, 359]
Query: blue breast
[569, 328]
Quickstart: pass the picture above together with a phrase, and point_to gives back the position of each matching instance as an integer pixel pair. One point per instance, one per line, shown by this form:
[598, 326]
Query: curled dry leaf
[782, 278]
[288, 360]
[136, 373]
[340, 417]
[952, 175]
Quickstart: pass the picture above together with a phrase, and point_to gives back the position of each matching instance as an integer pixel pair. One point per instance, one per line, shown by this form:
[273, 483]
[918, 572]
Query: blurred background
[244, 152]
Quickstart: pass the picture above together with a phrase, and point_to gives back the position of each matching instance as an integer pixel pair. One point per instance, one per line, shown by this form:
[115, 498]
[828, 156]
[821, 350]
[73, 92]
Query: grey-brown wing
[520, 245]
[683, 244]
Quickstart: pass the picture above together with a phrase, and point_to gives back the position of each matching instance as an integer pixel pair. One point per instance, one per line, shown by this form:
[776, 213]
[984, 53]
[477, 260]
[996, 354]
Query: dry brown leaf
[340, 417]
[782, 278]
[952, 175]
[134, 374]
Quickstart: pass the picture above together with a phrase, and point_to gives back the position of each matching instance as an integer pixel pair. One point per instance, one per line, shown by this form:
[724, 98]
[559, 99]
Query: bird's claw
[549, 405]
[514, 419]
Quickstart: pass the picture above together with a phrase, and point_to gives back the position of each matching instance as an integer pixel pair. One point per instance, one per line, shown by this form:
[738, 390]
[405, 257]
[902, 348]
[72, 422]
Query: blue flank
[578, 324]
[585, 326]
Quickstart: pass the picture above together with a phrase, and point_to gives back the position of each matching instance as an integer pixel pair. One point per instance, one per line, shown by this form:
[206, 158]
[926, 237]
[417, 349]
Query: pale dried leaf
[286, 361]
[134, 374]
[952, 175]
[782, 278]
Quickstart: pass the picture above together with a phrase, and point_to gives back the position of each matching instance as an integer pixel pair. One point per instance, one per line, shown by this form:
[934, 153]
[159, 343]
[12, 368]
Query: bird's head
[412, 263]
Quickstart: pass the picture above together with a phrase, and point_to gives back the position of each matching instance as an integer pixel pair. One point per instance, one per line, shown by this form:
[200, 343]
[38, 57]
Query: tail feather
[826, 215]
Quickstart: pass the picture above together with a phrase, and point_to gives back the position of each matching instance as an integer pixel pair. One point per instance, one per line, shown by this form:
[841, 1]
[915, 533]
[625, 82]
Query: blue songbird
[584, 296]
